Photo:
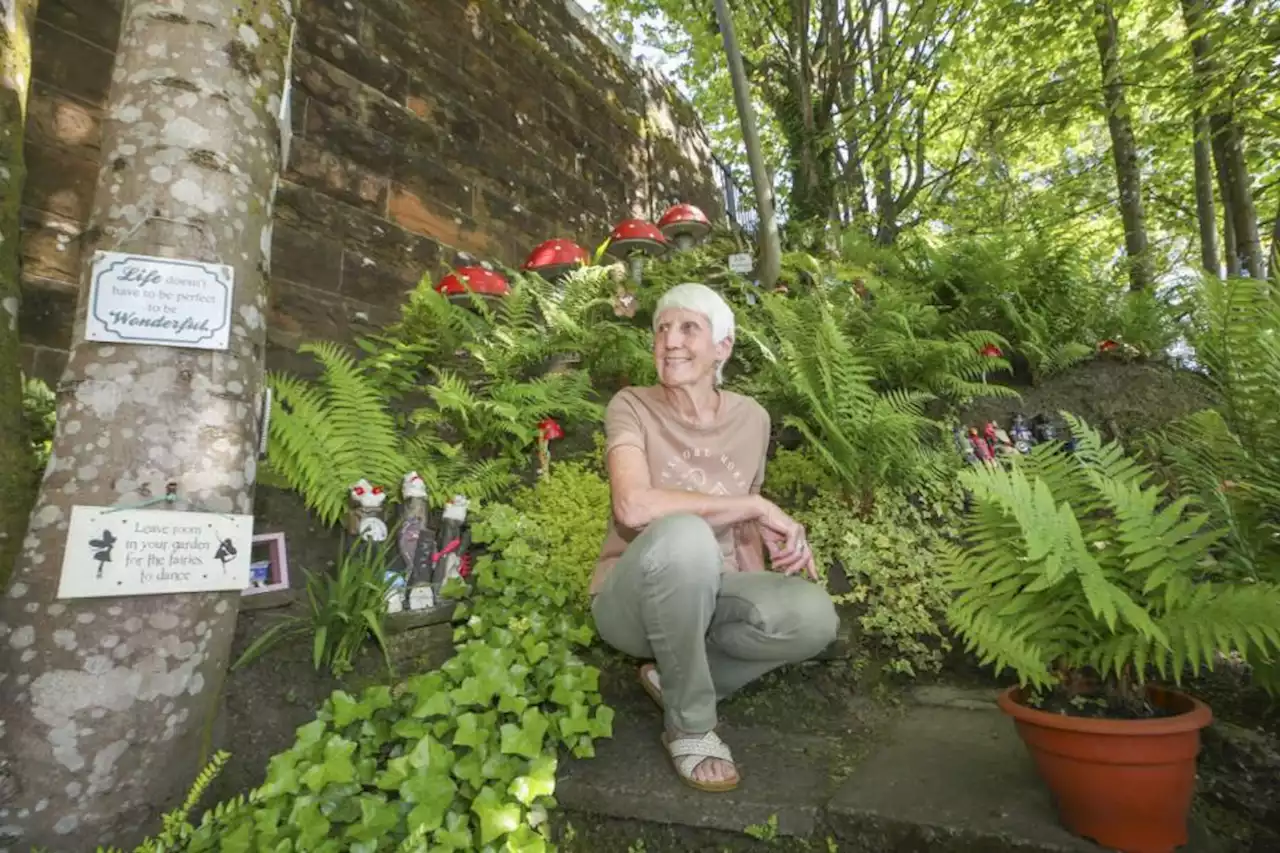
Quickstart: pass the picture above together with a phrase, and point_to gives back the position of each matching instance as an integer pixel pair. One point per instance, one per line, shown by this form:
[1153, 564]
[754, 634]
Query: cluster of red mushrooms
[632, 241]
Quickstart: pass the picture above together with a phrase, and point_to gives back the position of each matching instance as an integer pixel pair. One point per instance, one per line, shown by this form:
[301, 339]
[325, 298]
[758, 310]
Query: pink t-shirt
[724, 458]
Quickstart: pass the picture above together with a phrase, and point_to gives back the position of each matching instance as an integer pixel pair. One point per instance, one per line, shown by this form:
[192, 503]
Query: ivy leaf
[336, 767]
[432, 795]
[346, 709]
[469, 732]
[431, 755]
[497, 816]
[470, 769]
[513, 703]
[407, 728]
[535, 650]
[526, 840]
[456, 834]
[602, 723]
[576, 722]
[397, 771]
[377, 818]
[540, 781]
[525, 739]
[584, 748]
[437, 704]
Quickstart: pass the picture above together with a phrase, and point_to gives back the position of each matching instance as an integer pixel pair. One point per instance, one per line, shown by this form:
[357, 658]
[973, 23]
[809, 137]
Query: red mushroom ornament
[684, 225]
[555, 258]
[989, 351]
[473, 279]
[548, 431]
[633, 240]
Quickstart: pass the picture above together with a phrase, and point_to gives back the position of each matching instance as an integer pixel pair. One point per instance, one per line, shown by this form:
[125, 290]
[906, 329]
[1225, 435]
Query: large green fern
[326, 435]
[865, 437]
[1076, 561]
[1227, 459]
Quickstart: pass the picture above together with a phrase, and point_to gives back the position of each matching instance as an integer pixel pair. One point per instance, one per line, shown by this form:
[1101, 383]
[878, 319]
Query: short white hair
[700, 299]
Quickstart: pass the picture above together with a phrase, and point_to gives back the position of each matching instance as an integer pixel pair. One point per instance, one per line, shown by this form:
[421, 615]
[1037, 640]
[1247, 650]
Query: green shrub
[564, 516]
[890, 559]
[1080, 576]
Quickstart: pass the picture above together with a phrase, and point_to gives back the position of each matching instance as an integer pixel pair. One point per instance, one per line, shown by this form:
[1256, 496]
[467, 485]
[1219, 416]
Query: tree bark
[1206, 216]
[17, 18]
[770, 264]
[106, 701]
[1123, 148]
[1275, 247]
[1240, 218]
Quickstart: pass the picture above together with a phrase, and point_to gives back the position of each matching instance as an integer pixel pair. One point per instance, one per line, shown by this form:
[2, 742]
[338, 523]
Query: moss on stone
[273, 50]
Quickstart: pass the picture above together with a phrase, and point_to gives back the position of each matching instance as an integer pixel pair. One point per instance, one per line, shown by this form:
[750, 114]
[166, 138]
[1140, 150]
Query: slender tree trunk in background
[1235, 185]
[1123, 149]
[106, 701]
[17, 18]
[1274, 266]
[1206, 216]
[770, 264]
[1230, 248]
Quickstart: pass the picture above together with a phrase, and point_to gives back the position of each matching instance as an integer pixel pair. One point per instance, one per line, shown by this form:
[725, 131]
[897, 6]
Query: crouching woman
[681, 579]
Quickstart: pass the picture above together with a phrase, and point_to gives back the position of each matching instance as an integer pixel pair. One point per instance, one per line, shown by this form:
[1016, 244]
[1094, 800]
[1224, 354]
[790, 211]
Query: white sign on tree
[741, 263]
[153, 551]
[139, 299]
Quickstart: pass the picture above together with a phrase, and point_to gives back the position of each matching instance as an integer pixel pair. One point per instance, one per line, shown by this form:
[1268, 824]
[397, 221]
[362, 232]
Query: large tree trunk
[1240, 218]
[106, 700]
[1206, 216]
[1275, 246]
[17, 17]
[1123, 149]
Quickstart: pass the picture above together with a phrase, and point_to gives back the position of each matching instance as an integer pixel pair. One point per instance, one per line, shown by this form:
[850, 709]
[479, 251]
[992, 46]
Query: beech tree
[106, 701]
[1124, 150]
[16, 20]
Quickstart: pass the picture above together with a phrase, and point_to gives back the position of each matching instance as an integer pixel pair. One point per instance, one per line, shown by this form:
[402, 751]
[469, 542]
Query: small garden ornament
[989, 351]
[365, 519]
[548, 431]
[451, 560]
[416, 542]
[1021, 433]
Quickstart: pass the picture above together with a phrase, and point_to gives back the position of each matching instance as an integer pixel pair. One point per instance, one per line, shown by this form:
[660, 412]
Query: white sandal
[688, 752]
[651, 682]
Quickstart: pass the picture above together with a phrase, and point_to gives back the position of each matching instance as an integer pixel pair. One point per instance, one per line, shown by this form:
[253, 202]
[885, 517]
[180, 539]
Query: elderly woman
[681, 578]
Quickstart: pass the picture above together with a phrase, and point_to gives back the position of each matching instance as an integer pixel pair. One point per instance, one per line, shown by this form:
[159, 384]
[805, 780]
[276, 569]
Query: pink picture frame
[268, 564]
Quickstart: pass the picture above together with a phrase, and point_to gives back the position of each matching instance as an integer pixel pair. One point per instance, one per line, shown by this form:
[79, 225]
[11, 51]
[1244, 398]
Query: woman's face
[683, 350]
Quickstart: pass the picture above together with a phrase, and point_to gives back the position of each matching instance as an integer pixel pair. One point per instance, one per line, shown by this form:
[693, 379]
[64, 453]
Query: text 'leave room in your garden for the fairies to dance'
[147, 552]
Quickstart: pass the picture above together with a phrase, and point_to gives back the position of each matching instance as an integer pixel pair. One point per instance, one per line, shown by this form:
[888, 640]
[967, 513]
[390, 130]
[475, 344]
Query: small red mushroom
[1108, 345]
[633, 240]
[548, 431]
[991, 351]
[685, 225]
[473, 279]
[556, 258]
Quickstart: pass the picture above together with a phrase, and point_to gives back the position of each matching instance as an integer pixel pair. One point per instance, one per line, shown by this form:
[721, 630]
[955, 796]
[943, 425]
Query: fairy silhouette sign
[149, 551]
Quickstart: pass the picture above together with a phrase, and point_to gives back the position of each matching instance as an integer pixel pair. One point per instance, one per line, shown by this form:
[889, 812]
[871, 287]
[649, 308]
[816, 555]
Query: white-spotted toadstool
[475, 279]
[634, 239]
[555, 258]
[685, 225]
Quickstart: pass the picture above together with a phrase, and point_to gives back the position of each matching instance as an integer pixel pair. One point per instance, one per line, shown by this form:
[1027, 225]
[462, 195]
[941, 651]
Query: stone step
[948, 774]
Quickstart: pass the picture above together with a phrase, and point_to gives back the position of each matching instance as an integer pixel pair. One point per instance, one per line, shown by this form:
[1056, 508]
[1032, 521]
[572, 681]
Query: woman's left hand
[801, 559]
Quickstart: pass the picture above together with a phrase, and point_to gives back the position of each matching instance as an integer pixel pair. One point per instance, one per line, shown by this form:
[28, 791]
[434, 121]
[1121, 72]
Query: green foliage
[459, 759]
[176, 826]
[564, 516]
[326, 435]
[1228, 459]
[344, 609]
[866, 438]
[890, 559]
[1074, 562]
[39, 409]
[1040, 294]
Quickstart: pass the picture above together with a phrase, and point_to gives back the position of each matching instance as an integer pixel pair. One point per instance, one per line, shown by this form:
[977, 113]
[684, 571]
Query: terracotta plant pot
[1125, 784]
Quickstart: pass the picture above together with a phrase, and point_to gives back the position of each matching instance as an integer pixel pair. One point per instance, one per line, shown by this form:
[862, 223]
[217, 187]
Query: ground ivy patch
[462, 758]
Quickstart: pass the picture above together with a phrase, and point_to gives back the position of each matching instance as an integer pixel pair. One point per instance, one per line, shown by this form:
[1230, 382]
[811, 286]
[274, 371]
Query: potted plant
[1085, 580]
